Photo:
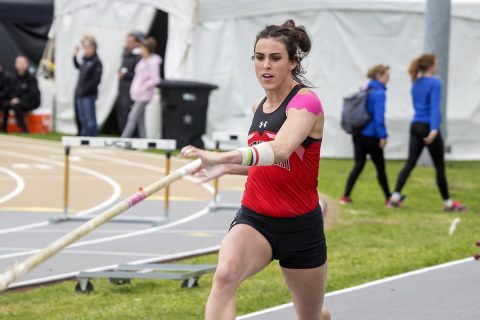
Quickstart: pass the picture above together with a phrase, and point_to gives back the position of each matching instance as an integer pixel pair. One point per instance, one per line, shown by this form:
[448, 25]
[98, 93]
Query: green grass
[51, 136]
[366, 242]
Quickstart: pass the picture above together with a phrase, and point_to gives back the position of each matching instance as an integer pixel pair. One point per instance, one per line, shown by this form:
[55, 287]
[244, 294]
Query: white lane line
[118, 237]
[115, 186]
[92, 252]
[173, 231]
[20, 166]
[362, 286]
[167, 257]
[20, 185]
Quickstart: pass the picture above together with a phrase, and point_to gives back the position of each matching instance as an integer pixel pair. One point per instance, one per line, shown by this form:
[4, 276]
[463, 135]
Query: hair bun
[289, 24]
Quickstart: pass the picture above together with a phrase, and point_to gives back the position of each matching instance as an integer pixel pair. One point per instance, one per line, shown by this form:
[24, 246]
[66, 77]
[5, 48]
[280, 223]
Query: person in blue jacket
[425, 129]
[372, 139]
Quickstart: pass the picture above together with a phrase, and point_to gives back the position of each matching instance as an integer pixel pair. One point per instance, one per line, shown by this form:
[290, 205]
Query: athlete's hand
[210, 168]
[431, 136]
[383, 143]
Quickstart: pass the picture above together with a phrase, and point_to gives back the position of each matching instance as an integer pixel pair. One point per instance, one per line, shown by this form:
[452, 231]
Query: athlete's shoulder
[256, 104]
[307, 99]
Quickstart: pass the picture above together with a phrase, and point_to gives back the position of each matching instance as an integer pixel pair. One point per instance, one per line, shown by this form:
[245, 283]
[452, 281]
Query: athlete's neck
[276, 97]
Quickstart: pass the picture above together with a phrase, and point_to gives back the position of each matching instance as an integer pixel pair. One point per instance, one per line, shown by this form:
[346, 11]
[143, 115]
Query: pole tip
[5, 280]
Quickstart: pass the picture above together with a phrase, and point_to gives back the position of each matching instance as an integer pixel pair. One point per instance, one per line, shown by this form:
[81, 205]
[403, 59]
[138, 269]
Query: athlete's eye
[276, 58]
[258, 57]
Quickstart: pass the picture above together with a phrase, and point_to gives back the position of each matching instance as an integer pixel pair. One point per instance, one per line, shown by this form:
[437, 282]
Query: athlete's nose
[266, 64]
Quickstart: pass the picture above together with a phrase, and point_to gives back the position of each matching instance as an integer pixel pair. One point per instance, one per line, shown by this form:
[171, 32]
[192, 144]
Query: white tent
[110, 22]
[212, 41]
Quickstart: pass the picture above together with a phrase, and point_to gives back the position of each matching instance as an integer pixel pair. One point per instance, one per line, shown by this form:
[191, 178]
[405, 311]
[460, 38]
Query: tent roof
[181, 9]
[220, 9]
[28, 11]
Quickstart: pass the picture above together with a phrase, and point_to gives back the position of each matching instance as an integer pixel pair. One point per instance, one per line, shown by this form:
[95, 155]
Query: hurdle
[68, 143]
[218, 137]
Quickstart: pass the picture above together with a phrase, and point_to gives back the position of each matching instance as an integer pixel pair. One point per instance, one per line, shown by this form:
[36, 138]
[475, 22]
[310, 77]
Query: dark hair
[296, 41]
[377, 70]
[421, 64]
[150, 44]
[137, 35]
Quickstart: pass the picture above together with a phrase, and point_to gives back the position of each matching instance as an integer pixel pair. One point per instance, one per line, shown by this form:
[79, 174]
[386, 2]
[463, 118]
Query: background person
[372, 139]
[280, 217]
[147, 77]
[131, 56]
[24, 95]
[425, 129]
[86, 92]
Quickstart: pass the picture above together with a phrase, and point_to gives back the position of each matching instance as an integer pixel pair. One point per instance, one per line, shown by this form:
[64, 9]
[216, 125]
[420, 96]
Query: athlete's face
[272, 64]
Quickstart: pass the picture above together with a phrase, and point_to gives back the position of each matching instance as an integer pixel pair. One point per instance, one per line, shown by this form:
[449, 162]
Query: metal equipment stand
[188, 273]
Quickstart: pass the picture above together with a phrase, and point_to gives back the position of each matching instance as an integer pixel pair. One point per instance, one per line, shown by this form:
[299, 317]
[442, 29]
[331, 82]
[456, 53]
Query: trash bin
[184, 111]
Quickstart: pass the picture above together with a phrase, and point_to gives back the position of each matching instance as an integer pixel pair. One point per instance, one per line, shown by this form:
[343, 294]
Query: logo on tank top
[263, 124]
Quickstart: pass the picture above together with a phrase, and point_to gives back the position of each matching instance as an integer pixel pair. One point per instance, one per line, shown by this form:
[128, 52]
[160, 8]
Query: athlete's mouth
[267, 76]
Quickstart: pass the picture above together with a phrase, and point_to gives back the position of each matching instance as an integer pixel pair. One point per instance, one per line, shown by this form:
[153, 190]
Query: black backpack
[354, 113]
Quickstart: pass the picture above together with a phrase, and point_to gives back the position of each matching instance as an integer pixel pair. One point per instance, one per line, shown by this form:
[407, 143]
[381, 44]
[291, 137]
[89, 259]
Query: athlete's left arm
[304, 118]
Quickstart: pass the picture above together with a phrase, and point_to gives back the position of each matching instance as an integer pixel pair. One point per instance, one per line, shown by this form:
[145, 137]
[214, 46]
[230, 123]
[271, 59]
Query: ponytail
[421, 64]
[413, 69]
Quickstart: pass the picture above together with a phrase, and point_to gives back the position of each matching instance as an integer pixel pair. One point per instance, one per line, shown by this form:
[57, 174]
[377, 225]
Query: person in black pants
[372, 139]
[90, 75]
[130, 58]
[424, 130]
[24, 95]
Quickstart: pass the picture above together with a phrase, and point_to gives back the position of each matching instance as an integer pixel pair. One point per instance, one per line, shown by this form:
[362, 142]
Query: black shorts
[298, 242]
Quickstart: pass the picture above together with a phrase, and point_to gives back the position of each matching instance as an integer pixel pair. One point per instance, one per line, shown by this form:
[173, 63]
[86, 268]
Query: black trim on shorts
[297, 242]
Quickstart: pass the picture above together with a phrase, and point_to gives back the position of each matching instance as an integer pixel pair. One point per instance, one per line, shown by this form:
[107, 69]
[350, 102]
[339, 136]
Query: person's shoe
[455, 207]
[395, 203]
[345, 200]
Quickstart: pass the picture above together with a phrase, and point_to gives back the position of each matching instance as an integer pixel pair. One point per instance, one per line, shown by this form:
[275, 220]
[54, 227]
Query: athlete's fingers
[189, 152]
[198, 172]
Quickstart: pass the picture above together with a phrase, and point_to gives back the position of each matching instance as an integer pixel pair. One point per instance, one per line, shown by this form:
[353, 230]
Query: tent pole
[436, 41]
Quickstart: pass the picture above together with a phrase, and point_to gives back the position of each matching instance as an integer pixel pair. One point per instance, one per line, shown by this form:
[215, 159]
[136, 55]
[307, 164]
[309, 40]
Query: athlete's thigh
[307, 287]
[244, 252]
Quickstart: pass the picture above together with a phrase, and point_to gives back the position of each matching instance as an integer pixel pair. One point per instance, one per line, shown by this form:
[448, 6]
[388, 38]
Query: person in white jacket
[146, 78]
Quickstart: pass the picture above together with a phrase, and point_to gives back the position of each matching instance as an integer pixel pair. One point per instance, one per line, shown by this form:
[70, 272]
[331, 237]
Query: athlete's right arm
[215, 164]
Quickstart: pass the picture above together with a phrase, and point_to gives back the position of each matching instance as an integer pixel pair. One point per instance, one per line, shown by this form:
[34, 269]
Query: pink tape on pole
[136, 198]
[308, 101]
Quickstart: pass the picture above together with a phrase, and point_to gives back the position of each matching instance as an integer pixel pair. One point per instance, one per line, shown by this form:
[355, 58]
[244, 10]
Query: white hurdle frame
[218, 137]
[167, 145]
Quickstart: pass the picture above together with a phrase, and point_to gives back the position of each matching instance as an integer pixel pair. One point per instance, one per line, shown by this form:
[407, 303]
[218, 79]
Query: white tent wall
[348, 37]
[110, 21]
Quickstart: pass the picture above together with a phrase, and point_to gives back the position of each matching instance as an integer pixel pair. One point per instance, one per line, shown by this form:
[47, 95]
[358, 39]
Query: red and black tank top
[285, 189]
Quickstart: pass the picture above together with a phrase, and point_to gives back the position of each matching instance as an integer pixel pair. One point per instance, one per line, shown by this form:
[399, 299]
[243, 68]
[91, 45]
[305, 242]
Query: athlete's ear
[293, 65]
